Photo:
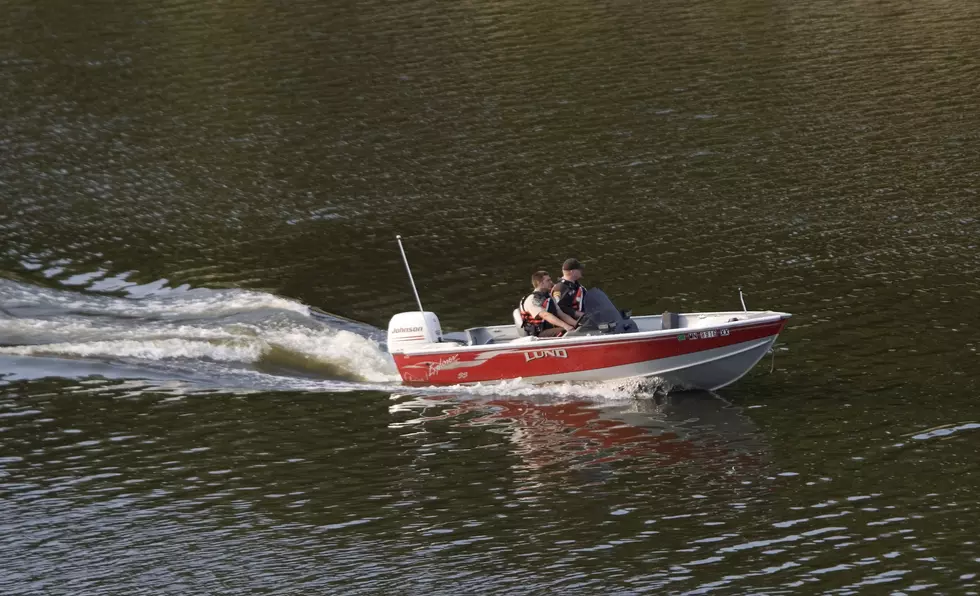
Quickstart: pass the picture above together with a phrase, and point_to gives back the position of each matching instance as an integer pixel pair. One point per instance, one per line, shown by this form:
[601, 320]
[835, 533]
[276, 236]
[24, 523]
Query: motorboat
[706, 350]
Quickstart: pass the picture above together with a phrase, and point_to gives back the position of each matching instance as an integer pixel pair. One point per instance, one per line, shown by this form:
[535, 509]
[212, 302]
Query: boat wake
[190, 340]
[190, 331]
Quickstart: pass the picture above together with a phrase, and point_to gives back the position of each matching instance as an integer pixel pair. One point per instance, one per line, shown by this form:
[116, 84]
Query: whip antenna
[739, 293]
[409, 270]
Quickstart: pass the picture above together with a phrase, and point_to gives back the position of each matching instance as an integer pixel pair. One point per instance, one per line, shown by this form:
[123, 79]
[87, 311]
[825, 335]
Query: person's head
[572, 269]
[541, 281]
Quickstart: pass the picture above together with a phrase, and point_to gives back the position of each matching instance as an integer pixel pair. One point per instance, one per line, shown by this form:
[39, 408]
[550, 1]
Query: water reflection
[558, 434]
[676, 493]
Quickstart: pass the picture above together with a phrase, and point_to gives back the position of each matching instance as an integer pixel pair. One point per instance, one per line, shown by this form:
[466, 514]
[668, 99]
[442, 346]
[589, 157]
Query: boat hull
[707, 358]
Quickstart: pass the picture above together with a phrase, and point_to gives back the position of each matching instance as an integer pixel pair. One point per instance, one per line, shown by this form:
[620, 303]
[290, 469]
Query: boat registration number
[708, 334]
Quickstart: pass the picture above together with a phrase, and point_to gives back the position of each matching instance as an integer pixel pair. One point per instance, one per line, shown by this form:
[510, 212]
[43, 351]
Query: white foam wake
[181, 327]
[349, 351]
[611, 390]
[357, 356]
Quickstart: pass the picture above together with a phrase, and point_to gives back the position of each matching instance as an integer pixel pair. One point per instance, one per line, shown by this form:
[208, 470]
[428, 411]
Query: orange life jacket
[534, 324]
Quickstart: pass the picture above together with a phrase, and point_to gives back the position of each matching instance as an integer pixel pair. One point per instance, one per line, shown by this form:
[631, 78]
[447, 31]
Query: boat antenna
[410, 278]
[740, 297]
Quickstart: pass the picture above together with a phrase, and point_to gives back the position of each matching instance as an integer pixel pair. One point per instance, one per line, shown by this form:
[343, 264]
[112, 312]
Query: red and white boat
[692, 350]
[700, 350]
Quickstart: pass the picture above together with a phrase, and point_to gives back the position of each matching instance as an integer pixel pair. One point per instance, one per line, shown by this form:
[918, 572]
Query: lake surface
[198, 205]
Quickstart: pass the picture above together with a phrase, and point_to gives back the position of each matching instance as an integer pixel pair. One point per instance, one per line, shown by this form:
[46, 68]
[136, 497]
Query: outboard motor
[413, 328]
[602, 316]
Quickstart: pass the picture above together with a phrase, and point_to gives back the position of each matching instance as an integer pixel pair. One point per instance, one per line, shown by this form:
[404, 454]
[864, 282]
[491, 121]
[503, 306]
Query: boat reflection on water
[682, 428]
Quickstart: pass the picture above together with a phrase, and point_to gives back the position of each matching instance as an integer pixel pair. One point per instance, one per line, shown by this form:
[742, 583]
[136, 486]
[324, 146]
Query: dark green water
[181, 182]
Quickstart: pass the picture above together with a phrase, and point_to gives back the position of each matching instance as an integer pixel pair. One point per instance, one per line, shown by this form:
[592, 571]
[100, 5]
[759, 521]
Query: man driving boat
[568, 292]
[540, 313]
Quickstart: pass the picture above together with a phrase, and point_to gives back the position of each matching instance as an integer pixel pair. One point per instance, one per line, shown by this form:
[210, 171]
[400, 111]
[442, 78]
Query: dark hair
[537, 277]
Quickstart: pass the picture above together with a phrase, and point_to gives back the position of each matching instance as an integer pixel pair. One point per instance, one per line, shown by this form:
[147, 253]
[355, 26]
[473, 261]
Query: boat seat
[670, 320]
[519, 322]
[454, 338]
[479, 336]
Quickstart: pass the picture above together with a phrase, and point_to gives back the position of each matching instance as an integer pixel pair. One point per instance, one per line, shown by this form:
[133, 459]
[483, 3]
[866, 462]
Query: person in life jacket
[540, 313]
[568, 292]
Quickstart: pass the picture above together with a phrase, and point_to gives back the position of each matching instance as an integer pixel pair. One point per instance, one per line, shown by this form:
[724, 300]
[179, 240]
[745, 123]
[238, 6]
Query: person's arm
[562, 322]
[567, 318]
